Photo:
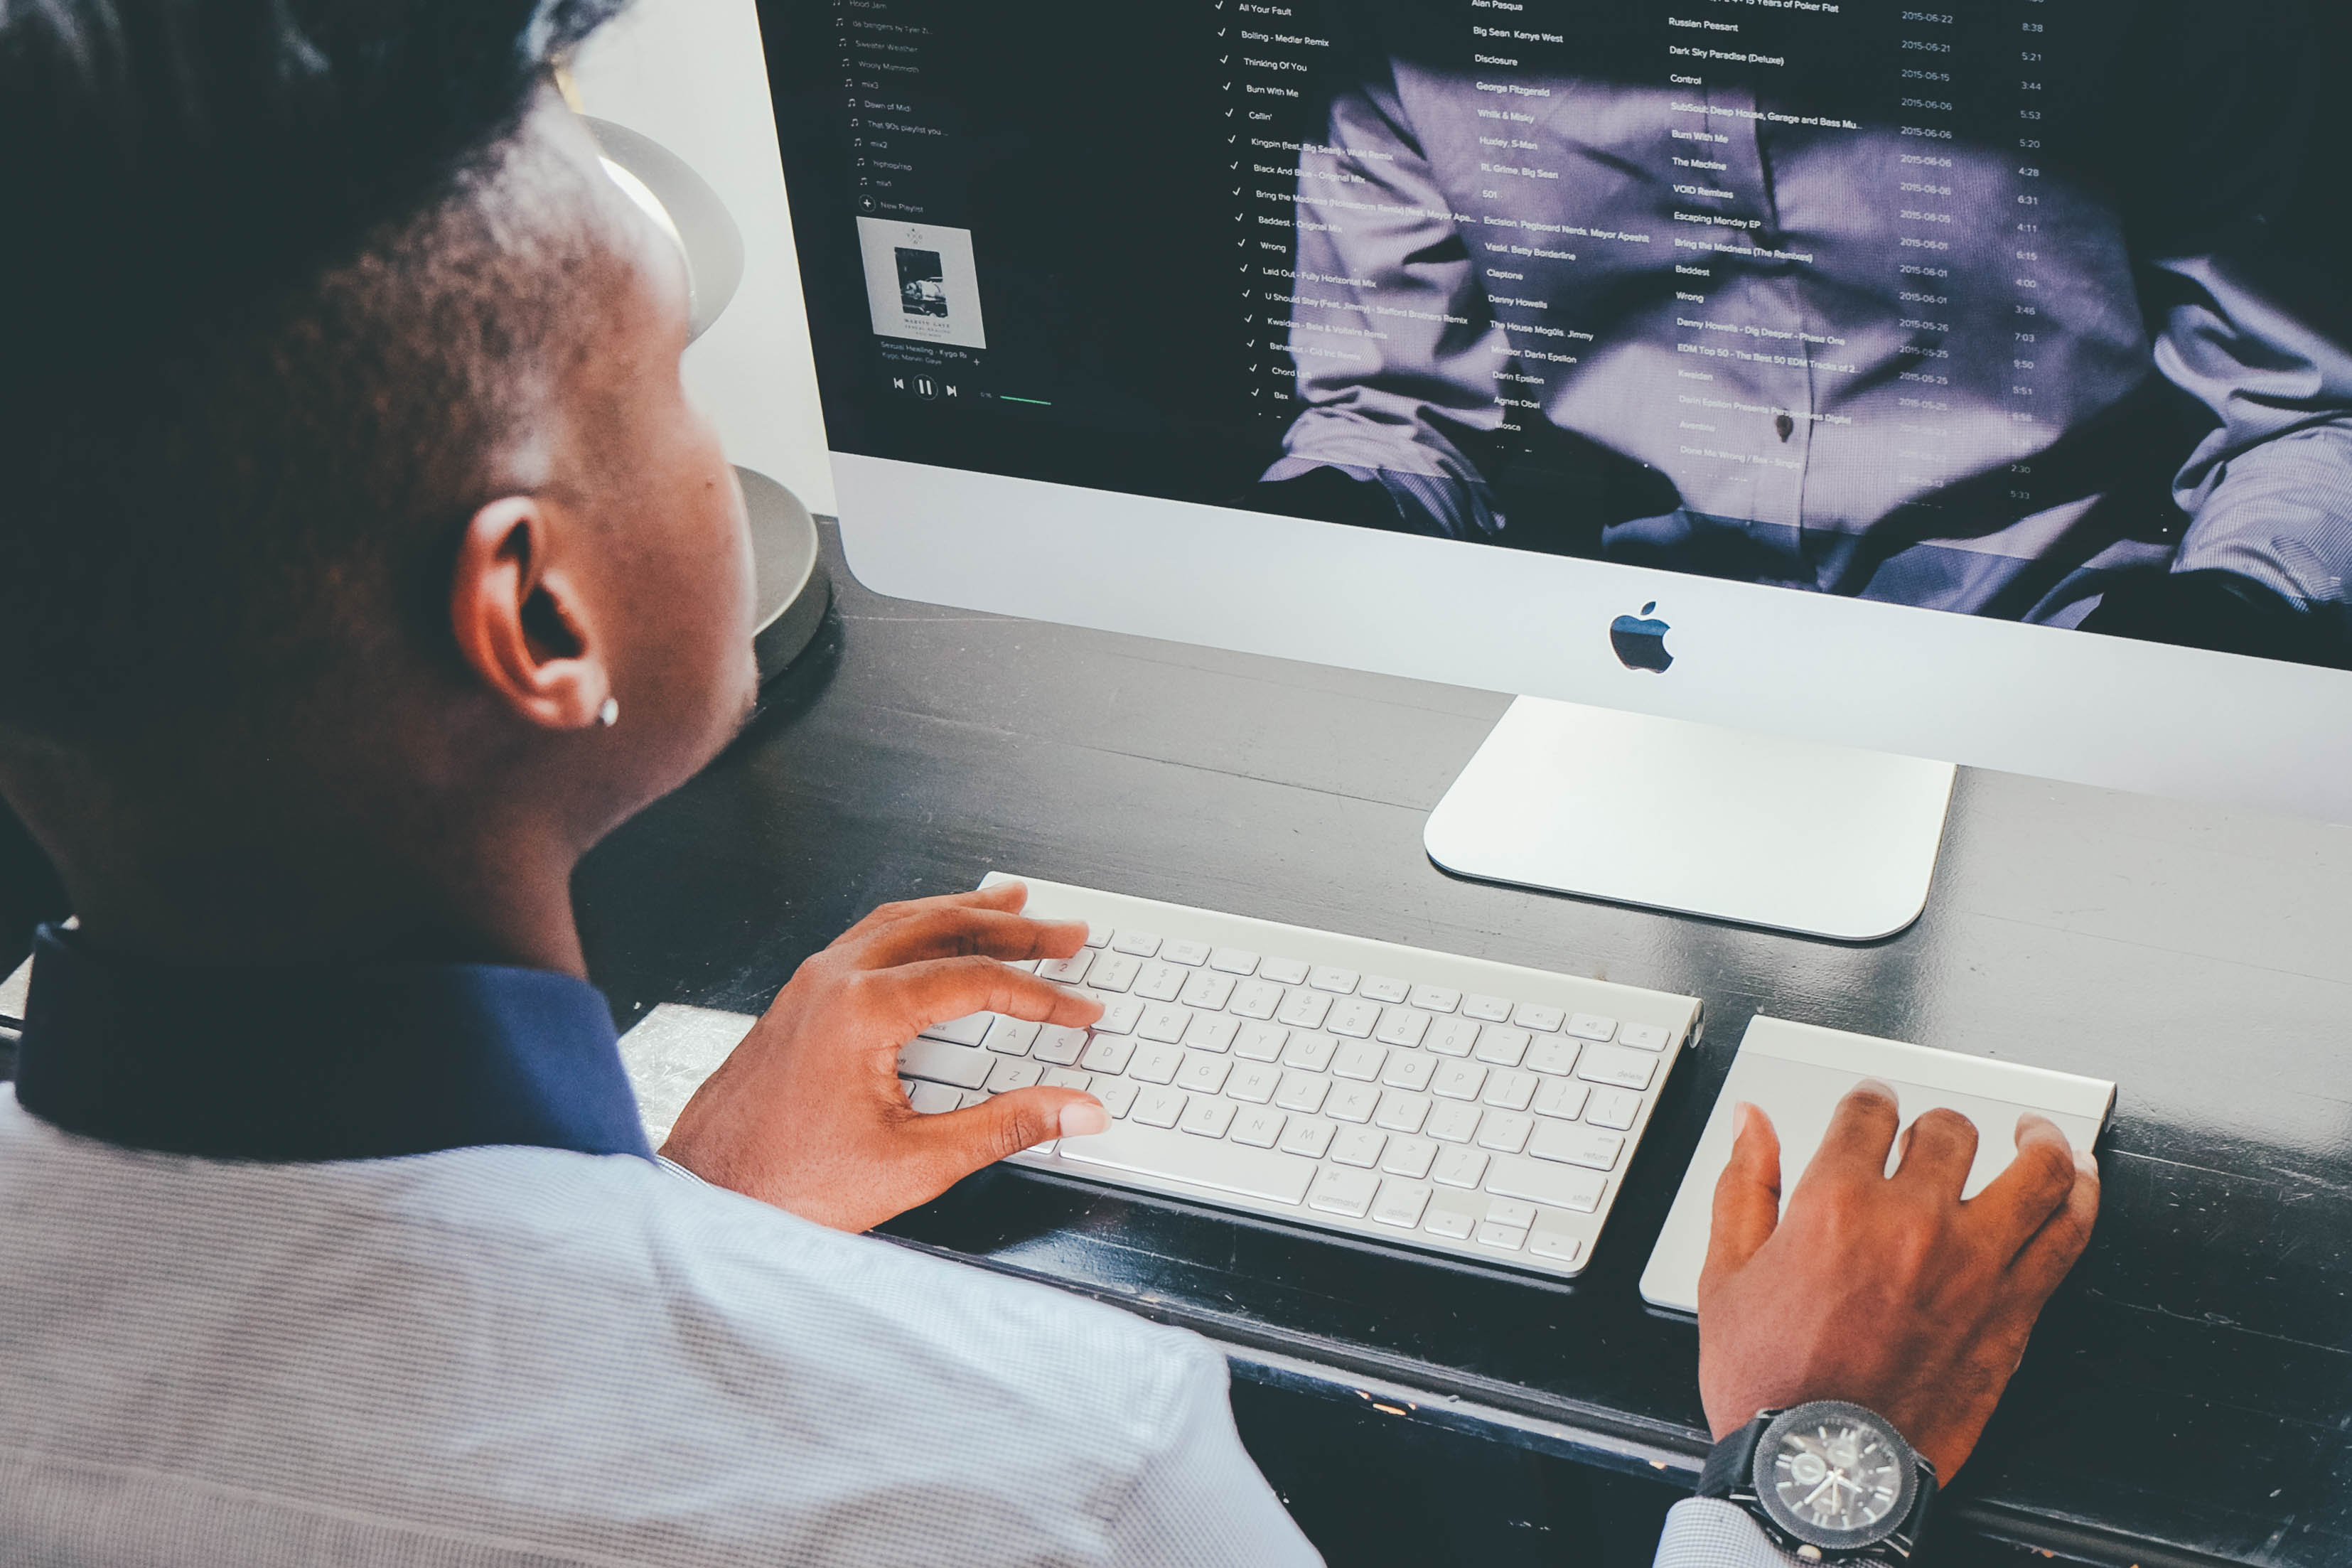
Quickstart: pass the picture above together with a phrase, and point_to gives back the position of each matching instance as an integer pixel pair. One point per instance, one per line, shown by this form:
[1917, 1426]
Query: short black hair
[264, 290]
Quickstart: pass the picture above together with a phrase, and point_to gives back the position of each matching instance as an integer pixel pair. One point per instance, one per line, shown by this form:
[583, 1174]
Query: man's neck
[251, 883]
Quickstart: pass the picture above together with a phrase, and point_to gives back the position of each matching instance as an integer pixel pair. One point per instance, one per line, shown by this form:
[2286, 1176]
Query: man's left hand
[808, 1112]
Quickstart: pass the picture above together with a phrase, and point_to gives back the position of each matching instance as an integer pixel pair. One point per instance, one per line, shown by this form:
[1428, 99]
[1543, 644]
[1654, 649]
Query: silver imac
[1788, 399]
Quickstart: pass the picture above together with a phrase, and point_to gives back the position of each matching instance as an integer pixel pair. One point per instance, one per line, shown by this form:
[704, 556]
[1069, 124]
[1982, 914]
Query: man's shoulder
[569, 1322]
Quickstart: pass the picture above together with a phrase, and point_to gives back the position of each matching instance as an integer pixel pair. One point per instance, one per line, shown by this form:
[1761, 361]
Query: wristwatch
[1830, 1481]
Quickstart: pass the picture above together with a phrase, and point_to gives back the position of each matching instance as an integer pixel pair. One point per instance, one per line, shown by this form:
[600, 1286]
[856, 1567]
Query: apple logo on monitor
[1639, 642]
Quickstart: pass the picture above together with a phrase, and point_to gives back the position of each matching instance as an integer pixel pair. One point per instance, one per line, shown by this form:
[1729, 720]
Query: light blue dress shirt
[516, 1352]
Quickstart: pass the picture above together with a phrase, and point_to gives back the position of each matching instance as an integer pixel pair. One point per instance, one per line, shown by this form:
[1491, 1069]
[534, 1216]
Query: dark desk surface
[2190, 1393]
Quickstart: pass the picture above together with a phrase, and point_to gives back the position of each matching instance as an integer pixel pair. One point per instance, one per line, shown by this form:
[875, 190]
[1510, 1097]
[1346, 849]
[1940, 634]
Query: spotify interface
[2015, 308]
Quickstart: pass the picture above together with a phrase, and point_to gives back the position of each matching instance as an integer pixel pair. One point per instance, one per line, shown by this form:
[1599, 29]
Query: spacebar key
[1253, 1172]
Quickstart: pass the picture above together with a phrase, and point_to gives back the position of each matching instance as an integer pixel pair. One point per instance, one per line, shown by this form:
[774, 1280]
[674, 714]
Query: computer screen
[2025, 311]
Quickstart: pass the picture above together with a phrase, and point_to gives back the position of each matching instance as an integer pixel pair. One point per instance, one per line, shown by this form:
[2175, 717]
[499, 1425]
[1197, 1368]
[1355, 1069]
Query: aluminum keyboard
[1478, 1109]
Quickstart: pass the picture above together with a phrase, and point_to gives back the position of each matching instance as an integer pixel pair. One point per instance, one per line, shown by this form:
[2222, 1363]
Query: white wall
[690, 74]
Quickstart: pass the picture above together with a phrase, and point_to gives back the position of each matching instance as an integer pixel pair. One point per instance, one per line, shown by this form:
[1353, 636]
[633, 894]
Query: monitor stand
[1799, 837]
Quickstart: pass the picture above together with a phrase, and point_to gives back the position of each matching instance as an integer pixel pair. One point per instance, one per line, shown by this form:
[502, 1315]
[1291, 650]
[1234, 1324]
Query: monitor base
[1819, 840]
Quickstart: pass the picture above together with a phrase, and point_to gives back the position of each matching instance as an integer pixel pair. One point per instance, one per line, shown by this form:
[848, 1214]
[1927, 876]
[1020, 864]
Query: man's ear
[520, 621]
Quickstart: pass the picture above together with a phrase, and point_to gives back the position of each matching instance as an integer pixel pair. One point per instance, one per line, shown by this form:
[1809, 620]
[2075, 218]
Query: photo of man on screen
[2024, 316]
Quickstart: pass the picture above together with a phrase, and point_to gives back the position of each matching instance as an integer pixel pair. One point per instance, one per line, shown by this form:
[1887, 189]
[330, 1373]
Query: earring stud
[610, 713]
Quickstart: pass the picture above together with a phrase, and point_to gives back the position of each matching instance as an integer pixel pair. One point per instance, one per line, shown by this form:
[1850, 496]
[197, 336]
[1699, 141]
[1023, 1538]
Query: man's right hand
[1886, 1292]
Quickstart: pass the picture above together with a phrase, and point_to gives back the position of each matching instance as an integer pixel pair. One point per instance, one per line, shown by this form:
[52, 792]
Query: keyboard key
[1562, 1097]
[1435, 998]
[1409, 1157]
[1402, 1112]
[942, 1063]
[1510, 1089]
[1098, 935]
[1557, 1245]
[1302, 1092]
[932, 1099]
[1059, 1046]
[1159, 981]
[1487, 1009]
[1615, 1107]
[1253, 1172]
[1211, 1031]
[1359, 1059]
[1573, 1144]
[967, 1098]
[1067, 970]
[1506, 1238]
[968, 1030]
[1452, 1123]
[1011, 1036]
[1257, 1126]
[1112, 972]
[1502, 1044]
[1164, 1021]
[1560, 1187]
[1282, 971]
[1461, 1168]
[1401, 1027]
[1304, 1009]
[1383, 988]
[1108, 1054]
[1233, 961]
[1458, 1080]
[1408, 1069]
[1554, 1055]
[1307, 1137]
[1643, 1036]
[1591, 1026]
[1329, 977]
[1518, 1215]
[1451, 1224]
[1453, 1036]
[1505, 1132]
[1156, 1063]
[1254, 1081]
[1120, 1015]
[1617, 1067]
[1118, 1094]
[1191, 954]
[1310, 1051]
[1535, 1015]
[1202, 1073]
[1401, 1203]
[1254, 999]
[1340, 1191]
[1158, 1106]
[1206, 1118]
[1260, 1042]
[1141, 943]
[1207, 988]
[1359, 1146]
[1353, 1017]
[1351, 1101]
[1013, 1073]
[1066, 1078]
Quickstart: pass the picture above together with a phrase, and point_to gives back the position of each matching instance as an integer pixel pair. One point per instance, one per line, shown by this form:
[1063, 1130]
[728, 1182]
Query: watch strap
[1905, 1539]
[1730, 1469]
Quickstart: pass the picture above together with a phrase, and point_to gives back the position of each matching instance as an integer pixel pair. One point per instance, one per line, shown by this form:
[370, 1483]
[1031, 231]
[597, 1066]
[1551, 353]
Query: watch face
[1835, 1474]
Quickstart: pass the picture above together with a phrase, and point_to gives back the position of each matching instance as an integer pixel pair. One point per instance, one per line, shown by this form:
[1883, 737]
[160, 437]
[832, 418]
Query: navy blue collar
[320, 1063]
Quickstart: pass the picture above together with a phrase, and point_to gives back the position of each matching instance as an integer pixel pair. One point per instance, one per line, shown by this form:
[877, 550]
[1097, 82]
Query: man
[2031, 318]
[363, 565]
